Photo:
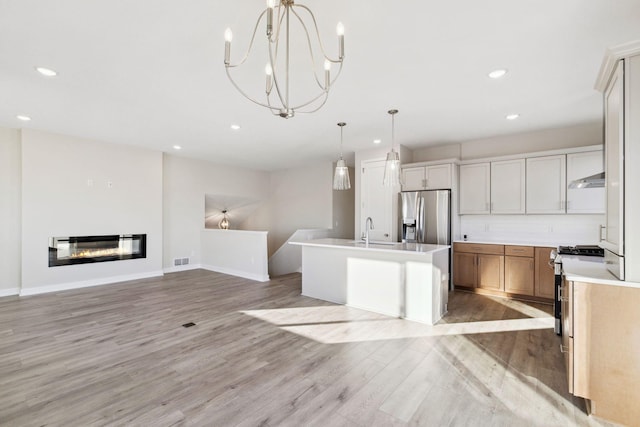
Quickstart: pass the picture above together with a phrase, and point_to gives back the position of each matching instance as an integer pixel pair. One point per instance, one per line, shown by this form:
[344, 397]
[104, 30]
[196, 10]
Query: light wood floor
[262, 355]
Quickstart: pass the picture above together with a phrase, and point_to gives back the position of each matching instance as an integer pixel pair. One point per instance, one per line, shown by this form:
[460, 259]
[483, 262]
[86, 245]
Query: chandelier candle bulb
[269, 73]
[340, 31]
[270, 5]
[228, 36]
[327, 74]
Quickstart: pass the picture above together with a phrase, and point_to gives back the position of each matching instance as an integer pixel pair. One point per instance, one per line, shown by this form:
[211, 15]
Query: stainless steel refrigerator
[425, 217]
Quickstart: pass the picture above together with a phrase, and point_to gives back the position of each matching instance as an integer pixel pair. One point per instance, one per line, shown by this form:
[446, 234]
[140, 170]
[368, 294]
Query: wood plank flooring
[262, 355]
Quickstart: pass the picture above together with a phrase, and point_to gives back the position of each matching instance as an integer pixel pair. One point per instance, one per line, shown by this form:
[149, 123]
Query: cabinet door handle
[386, 234]
[602, 228]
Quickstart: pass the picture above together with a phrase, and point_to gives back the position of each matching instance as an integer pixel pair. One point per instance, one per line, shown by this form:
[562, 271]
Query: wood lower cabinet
[504, 270]
[544, 280]
[478, 266]
[518, 272]
[491, 272]
[464, 269]
[601, 345]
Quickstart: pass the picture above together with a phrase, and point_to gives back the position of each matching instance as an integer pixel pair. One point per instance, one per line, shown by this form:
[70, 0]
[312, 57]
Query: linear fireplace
[86, 249]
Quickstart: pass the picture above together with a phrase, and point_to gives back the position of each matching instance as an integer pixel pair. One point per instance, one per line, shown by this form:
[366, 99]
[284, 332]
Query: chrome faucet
[368, 225]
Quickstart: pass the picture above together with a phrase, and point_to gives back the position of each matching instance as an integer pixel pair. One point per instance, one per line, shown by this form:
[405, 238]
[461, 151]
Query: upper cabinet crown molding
[535, 154]
[611, 57]
[431, 163]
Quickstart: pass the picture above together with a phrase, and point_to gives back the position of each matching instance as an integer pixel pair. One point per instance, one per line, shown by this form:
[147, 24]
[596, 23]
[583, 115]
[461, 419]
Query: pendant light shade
[392, 164]
[341, 176]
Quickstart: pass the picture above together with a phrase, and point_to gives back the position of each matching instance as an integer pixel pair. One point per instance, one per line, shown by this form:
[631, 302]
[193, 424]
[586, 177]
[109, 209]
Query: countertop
[510, 243]
[413, 248]
[591, 269]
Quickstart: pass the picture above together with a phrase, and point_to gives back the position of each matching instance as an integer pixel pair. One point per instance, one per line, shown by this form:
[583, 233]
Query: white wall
[66, 192]
[185, 182]
[535, 229]
[300, 198]
[542, 140]
[344, 210]
[10, 211]
[236, 252]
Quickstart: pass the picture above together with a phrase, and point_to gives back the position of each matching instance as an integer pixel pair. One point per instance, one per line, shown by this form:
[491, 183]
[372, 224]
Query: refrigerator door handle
[420, 222]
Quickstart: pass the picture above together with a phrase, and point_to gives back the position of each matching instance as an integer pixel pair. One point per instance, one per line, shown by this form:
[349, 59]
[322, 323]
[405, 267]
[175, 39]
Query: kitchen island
[409, 280]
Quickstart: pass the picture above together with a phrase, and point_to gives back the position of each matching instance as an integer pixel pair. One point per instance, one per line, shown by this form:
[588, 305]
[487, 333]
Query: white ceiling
[150, 72]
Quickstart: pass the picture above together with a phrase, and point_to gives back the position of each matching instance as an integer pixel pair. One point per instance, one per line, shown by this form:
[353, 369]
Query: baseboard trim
[88, 283]
[182, 268]
[9, 292]
[238, 273]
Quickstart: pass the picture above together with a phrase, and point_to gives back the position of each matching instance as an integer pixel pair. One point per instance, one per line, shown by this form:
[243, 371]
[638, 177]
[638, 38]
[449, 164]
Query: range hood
[593, 181]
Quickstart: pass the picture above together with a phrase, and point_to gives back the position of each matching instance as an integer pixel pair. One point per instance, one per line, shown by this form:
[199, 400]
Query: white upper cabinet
[436, 177]
[546, 184]
[584, 200]
[508, 186]
[474, 188]
[413, 178]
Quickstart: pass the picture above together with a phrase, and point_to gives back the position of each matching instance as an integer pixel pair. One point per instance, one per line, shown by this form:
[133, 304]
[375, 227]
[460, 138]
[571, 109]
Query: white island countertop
[591, 270]
[393, 247]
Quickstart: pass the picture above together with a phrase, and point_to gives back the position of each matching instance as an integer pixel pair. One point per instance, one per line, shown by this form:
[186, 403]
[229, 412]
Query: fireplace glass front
[86, 249]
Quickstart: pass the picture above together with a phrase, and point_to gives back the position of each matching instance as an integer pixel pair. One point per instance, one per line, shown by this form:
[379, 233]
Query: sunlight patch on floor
[522, 307]
[340, 324]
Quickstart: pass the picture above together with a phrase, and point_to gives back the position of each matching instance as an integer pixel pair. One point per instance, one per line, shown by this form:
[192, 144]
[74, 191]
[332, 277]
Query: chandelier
[279, 17]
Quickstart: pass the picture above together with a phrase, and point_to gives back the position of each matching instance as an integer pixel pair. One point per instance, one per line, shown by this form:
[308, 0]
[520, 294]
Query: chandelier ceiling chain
[278, 69]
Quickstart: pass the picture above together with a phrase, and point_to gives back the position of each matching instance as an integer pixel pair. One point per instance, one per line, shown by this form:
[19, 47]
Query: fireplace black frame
[137, 243]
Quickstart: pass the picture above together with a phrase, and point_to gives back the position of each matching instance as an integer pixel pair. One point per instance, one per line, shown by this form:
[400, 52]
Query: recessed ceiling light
[377, 141]
[512, 116]
[496, 74]
[177, 147]
[235, 127]
[47, 72]
[23, 118]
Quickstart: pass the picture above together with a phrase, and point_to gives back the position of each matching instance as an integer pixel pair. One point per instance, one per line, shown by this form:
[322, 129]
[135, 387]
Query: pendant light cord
[342, 125]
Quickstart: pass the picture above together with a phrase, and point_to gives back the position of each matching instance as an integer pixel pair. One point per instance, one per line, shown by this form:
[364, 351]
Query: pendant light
[392, 164]
[224, 222]
[341, 176]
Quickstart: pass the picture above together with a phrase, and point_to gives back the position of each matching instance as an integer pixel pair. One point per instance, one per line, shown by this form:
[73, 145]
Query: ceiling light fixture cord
[278, 70]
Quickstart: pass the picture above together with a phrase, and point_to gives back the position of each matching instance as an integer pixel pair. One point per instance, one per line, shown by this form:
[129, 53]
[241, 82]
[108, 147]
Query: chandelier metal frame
[278, 28]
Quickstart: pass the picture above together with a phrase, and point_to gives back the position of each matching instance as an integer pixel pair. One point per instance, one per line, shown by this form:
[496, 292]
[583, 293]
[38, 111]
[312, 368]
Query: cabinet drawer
[519, 251]
[479, 248]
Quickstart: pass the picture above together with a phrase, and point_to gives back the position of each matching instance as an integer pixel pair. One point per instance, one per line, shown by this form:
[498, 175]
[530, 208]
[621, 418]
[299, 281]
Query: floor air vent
[188, 325]
[180, 261]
